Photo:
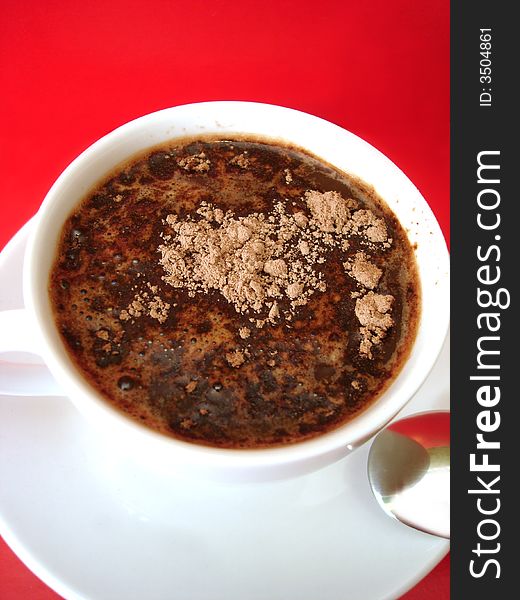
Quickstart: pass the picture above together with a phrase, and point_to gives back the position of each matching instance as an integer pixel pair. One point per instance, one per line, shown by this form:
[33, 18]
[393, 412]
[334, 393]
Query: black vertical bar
[485, 253]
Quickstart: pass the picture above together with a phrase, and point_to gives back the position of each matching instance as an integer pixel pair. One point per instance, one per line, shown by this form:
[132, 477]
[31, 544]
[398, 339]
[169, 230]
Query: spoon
[409, 471]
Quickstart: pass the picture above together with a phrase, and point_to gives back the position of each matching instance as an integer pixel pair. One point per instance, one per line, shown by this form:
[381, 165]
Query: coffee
[235, 293]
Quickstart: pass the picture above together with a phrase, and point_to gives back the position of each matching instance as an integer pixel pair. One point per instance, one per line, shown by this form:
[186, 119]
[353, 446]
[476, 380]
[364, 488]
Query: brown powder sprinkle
[244, 333]
[372, 311]
[158, 309]
[300, 219]
[294, 290]
[363, 271]
[276, 268]
[329, 209]
[304, 248]
[135, 309]
[236, 358]
[256, 261]
[373, 228]
[143, 305]
[241, 160]
[274, 312]
[196, 162]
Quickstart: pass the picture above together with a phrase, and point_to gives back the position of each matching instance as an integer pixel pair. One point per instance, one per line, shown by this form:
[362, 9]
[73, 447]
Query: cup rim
[350, 434]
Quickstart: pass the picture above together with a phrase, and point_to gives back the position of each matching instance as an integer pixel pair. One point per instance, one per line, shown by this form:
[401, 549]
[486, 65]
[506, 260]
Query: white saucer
[93, 525]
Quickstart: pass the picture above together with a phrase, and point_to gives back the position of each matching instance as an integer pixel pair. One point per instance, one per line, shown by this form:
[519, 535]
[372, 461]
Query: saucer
[94, 525]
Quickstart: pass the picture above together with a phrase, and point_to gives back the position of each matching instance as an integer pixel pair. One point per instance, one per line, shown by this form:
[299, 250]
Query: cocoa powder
[256, 261]
[373, 312]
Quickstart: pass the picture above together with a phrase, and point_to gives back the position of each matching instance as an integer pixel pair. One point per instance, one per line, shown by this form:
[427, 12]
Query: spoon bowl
[409, 471]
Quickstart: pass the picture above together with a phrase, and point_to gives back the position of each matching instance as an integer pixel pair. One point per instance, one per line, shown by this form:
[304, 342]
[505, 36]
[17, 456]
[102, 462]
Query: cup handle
[22, 370]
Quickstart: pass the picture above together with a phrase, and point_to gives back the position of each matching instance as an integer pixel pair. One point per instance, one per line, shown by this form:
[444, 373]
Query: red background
[72, 71]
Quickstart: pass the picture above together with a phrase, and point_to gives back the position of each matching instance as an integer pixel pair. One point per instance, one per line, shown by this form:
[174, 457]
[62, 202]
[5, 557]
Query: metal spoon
[409, 471]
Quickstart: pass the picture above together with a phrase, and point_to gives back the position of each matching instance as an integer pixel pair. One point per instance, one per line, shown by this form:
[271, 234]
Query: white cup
[33, 329]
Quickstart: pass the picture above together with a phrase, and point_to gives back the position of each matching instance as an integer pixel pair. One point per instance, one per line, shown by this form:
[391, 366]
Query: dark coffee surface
[298, 379]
